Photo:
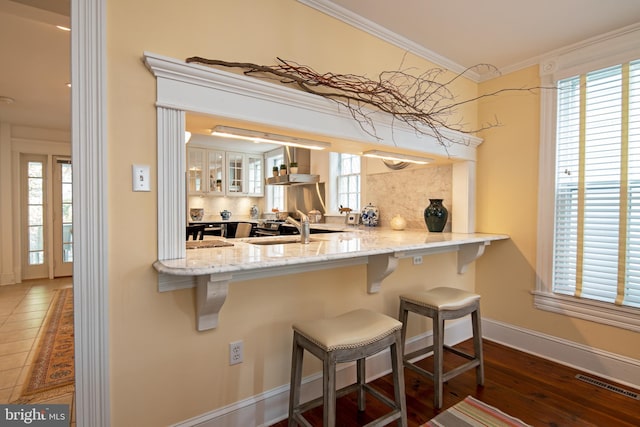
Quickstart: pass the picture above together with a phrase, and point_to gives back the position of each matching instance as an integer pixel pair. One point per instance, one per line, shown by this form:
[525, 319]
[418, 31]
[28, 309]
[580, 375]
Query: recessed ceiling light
[6, 100]
[68, 84]
[63, 28]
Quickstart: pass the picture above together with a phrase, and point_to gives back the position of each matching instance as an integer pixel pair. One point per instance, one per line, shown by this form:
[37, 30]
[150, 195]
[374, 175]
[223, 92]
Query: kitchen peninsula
[211, 270]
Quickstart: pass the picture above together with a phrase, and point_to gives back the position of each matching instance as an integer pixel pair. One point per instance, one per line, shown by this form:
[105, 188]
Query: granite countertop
[360, 242]
[212, 269]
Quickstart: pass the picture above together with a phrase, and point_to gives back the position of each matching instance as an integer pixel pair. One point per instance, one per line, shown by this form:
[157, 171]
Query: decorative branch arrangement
[424, 102]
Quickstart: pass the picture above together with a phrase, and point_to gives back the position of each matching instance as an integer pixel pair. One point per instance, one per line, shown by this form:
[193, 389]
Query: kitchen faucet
[302, 226]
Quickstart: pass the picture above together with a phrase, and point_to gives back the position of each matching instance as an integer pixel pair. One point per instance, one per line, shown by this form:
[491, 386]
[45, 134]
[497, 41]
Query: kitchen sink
[274, 241]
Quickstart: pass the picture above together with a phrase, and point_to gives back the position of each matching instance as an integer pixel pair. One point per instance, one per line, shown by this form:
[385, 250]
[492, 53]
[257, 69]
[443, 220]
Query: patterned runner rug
[52, 372]
[473, 413]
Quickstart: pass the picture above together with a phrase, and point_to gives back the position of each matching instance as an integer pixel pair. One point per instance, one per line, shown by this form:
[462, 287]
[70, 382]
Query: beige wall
[507, 203]
[162, 370]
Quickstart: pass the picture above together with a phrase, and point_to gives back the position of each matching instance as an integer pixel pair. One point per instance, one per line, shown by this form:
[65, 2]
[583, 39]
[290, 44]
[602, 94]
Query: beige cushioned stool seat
[354, 329]
[442, 298]
[441, 304]
[352, 336]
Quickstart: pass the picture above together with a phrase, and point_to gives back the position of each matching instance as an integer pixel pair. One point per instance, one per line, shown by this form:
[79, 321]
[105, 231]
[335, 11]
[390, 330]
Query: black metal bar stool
[352, 336]
[442, 304]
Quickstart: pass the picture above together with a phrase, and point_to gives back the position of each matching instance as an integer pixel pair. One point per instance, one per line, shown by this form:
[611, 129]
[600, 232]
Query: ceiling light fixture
[269, 138]
[63, 28]
[384, 155]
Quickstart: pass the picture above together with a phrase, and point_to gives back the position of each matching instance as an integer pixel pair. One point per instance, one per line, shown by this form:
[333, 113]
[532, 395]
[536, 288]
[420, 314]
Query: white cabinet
[245, 174]
[223, 173]
[205, 171]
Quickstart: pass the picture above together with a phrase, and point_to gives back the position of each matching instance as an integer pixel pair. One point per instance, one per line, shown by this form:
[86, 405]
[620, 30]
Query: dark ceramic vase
[435, 215]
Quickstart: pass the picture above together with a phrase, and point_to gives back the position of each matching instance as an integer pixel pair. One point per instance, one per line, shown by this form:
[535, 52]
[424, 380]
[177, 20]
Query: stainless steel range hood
[293, 178]
[302, 156]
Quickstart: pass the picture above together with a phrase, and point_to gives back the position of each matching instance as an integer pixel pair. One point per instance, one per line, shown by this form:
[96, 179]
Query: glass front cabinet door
[216, 172]
[246, 174]
[195, 170]
[235, 164]
[205, 172]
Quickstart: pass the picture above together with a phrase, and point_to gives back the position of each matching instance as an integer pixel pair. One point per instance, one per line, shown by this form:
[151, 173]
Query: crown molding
[601, 51]
[329, 8]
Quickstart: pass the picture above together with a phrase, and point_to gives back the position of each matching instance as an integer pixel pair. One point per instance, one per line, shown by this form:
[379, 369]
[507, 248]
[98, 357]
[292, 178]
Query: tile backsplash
[238, 206]
[407, 192]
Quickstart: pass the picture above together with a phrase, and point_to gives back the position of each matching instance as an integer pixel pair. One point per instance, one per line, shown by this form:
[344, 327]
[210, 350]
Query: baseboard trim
[614, 367]
[7, 279]
[272, 406]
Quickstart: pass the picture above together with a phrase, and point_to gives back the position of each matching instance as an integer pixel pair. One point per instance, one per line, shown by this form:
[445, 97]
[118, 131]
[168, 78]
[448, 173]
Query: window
[589, 196]
[274, 193]
[348, 180]
[597, 226]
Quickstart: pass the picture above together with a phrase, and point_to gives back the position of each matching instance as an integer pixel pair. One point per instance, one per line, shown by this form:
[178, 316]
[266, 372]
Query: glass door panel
[216, 172]
[195, 170]
[62, 218]
[34, 254]
[235, 165]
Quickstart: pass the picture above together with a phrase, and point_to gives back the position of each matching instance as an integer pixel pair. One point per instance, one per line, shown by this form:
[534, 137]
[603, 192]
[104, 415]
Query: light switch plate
[141, 178]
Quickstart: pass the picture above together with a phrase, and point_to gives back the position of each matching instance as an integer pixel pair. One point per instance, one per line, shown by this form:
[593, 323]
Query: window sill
[595, 311]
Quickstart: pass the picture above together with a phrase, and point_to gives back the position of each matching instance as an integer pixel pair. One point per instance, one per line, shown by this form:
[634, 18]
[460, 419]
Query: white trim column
[90, 270]
[463, 215]
[171, 183]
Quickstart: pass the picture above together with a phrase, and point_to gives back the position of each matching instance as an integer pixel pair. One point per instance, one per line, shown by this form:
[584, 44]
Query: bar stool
[442, 304]
[351, 336]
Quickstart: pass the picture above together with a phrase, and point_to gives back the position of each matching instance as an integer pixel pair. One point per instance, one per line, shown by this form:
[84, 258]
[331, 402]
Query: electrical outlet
[235, 353]
[417, 260]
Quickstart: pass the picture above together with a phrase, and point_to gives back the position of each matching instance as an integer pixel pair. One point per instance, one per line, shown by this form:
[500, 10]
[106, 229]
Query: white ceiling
[35, 65]
[505, 33]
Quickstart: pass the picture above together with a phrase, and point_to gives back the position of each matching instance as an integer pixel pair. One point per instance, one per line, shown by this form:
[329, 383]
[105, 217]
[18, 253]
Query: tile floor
[23, 308]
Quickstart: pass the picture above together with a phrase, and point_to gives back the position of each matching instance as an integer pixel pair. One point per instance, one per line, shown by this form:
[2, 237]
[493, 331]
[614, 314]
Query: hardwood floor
[535, 390]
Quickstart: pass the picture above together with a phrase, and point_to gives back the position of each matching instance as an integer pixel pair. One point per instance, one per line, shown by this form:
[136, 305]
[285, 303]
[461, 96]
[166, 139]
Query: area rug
[473, 413]
[52, 372]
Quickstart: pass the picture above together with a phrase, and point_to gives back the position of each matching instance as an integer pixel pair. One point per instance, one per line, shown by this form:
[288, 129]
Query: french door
[47, 234]
[62, 218]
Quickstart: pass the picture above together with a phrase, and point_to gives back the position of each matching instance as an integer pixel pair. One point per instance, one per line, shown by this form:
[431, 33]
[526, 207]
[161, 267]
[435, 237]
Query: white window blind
[597, 194]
